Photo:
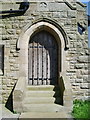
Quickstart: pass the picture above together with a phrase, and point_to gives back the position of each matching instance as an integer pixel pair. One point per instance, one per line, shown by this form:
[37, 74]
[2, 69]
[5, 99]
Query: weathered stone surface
[79, 66]
[15, 25]
[57, 6]
[76, 93]
[86, 78]
[85, 85]
[8, 26]
[42, 6]
[13, 42]
[72, 14]
[83, 59]
[11, 31]
[5, 37]
[15, 54]
[72, 36]
[87, 52]
[18, 31]
[84, 72]
[79, 80]
[76, 84]
[77, 60]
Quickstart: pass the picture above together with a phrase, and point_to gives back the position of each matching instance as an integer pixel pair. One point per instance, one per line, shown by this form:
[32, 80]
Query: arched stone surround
[62, 41]
[42, 24]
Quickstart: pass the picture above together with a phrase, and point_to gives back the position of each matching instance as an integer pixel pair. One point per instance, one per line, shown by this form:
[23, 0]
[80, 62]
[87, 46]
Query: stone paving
[46, 115]
[8, 115]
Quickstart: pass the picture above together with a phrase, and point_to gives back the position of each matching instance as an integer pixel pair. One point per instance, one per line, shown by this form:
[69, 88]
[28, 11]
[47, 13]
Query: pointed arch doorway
[42, 59]
[23, 44]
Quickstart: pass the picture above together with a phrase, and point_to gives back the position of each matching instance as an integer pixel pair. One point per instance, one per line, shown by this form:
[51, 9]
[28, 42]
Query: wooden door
[42, 59]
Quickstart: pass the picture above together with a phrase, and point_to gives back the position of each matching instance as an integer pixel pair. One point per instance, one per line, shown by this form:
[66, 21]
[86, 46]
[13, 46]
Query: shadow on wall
[12, 13]
[9, 103]
[62, 88]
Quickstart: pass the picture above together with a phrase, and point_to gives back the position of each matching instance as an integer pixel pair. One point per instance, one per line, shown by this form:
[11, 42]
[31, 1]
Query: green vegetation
[81, 110]
[15, 112]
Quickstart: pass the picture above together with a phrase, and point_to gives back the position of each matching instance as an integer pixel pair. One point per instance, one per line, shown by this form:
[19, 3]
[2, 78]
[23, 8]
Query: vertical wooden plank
[51, 59]
[47, 61]
[56, 64]
[30, 64]
[40, 63]
[44, 57]
[42, 42]
[53, 56]
[35, 63]
[48, 69]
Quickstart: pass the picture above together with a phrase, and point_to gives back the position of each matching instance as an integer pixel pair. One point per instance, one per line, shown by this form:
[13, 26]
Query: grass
[81, 110]
[15, 112]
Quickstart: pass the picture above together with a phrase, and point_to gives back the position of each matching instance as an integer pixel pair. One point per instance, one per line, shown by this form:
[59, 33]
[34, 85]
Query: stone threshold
[46, 115]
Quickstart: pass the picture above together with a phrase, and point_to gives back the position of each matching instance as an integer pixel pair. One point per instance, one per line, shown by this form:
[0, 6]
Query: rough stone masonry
[69, 15]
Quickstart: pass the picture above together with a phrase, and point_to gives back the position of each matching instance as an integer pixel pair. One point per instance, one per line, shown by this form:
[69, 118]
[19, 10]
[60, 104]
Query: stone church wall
[67, 16]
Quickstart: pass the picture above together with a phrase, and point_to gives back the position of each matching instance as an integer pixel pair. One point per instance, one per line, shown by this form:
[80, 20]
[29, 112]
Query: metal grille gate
[42, 59]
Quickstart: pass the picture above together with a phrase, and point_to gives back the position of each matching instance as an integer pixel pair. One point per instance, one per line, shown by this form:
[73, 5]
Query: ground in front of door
[63, 115]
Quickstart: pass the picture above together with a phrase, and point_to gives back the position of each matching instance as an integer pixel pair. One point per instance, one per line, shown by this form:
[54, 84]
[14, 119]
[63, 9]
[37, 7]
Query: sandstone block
[79, 80]
[14, 26]
[11, 31]
[5, 37]
[84, 72]
[72, 14]
[57, 6]
[84, 86]
[83, 59]
[86, 78]
[42, 6]
[79, 66]
[8, 26]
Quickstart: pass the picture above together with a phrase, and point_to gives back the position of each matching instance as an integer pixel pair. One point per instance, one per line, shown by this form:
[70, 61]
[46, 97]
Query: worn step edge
[41, 100]
[42, 108]
[42, 94]
[43, 87]
[39, 93]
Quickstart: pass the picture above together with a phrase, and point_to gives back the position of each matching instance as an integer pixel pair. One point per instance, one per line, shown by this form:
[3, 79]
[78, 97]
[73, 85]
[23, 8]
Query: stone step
[42, 94]
[43, 87]
[42, 108]
[42, 100]
[56, 115]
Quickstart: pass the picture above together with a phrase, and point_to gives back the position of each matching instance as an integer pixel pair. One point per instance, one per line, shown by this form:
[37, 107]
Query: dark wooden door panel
[42, 59]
